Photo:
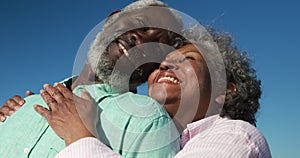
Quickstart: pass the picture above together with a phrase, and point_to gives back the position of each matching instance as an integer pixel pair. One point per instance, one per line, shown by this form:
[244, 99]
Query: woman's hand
[12, 105]
[70, 116]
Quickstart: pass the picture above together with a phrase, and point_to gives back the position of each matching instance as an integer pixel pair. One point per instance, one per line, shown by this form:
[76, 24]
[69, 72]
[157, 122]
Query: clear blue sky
[39, 40]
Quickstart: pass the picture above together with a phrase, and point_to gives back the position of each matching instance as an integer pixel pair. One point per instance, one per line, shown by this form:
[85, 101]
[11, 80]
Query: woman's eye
[189, 58]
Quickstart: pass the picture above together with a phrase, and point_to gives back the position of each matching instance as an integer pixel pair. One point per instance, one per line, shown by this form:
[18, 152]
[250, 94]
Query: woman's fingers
[48, 99]
[54, 93]
[28, 93]
[6, 111]
[10, 106]
[64, 90]
[14, 103]
[2, 117]
[43, 111]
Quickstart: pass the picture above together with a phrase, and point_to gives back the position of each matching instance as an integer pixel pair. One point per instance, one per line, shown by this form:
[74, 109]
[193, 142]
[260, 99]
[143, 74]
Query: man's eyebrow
[144, 19]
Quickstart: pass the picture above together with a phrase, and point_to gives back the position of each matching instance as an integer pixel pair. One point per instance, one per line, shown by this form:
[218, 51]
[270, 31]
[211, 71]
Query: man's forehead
[153, 13]
[159, 17]
[150, 10]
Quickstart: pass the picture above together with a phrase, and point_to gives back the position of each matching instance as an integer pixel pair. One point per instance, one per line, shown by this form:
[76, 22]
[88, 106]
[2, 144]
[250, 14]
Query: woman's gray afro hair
[243, 103]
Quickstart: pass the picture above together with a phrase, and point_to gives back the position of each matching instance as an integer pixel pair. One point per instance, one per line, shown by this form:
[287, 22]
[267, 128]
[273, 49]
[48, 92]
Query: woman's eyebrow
[190, 51]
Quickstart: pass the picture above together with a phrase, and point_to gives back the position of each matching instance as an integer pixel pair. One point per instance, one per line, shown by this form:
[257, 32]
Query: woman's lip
[167, 77]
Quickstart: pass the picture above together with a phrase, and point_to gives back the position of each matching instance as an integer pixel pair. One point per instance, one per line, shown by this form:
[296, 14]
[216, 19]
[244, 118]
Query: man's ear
[231, 87]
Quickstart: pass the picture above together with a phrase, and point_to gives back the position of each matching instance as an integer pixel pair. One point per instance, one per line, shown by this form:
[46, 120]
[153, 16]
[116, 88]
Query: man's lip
[123, 47]
[167, 77]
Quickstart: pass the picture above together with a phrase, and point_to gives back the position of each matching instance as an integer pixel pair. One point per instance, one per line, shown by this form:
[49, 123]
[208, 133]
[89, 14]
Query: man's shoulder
[97, 91]
[135, 105]
[136, 119]
[134, 112]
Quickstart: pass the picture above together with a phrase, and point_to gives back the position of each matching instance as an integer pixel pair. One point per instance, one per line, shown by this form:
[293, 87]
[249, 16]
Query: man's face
[141, 26]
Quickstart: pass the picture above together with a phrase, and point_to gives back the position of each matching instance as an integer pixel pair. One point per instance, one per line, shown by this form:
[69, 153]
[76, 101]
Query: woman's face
[178, 83]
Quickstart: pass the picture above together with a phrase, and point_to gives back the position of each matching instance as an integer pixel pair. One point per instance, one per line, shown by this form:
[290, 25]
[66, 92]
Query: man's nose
[137, 38]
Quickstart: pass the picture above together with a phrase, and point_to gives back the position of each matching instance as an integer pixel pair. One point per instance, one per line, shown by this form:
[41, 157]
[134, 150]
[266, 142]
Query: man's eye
[145, 29]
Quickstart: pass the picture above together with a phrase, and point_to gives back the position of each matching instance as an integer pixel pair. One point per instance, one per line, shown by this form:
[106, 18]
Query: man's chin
[141, 74]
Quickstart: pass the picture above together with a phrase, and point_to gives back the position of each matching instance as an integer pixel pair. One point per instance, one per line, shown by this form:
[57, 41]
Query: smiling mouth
[123, 49]
[168, 79]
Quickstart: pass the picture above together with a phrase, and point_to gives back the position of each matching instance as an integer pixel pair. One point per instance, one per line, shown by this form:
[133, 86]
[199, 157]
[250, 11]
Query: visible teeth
[168, 79]
[123, 49]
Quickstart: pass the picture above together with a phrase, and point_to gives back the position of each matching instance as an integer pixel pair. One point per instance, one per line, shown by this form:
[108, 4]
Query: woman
[184, 75]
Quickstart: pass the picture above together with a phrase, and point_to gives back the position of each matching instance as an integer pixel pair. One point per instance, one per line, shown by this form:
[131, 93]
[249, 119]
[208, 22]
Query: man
[34, 137]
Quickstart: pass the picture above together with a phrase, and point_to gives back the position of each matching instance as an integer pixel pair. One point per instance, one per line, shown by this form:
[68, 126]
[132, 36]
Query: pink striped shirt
[222, 137]
[210, 137]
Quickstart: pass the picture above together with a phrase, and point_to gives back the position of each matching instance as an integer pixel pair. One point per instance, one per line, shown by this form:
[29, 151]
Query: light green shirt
[131, 124]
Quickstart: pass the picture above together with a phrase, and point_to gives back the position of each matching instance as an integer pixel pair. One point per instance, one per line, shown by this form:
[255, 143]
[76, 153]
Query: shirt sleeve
[88, 147]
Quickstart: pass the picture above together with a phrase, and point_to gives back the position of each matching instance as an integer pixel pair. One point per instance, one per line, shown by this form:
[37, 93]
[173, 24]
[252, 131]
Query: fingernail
[46, 85]
[55, 84]
[42, 91]
[2, 118]
[10, 113]
[22, 102]
[35, 106]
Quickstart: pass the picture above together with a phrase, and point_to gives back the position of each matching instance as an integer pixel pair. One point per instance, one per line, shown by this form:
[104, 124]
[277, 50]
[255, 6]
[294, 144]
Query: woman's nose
[167, 65]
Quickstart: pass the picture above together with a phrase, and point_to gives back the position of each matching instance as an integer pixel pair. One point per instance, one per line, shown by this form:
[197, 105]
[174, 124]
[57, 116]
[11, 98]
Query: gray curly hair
[243, 103]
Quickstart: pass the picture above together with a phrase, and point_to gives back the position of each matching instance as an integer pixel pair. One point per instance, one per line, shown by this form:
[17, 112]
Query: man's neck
[86, 77]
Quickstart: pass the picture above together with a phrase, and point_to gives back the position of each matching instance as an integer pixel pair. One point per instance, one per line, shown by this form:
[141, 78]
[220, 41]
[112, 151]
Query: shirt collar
[196, 127]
